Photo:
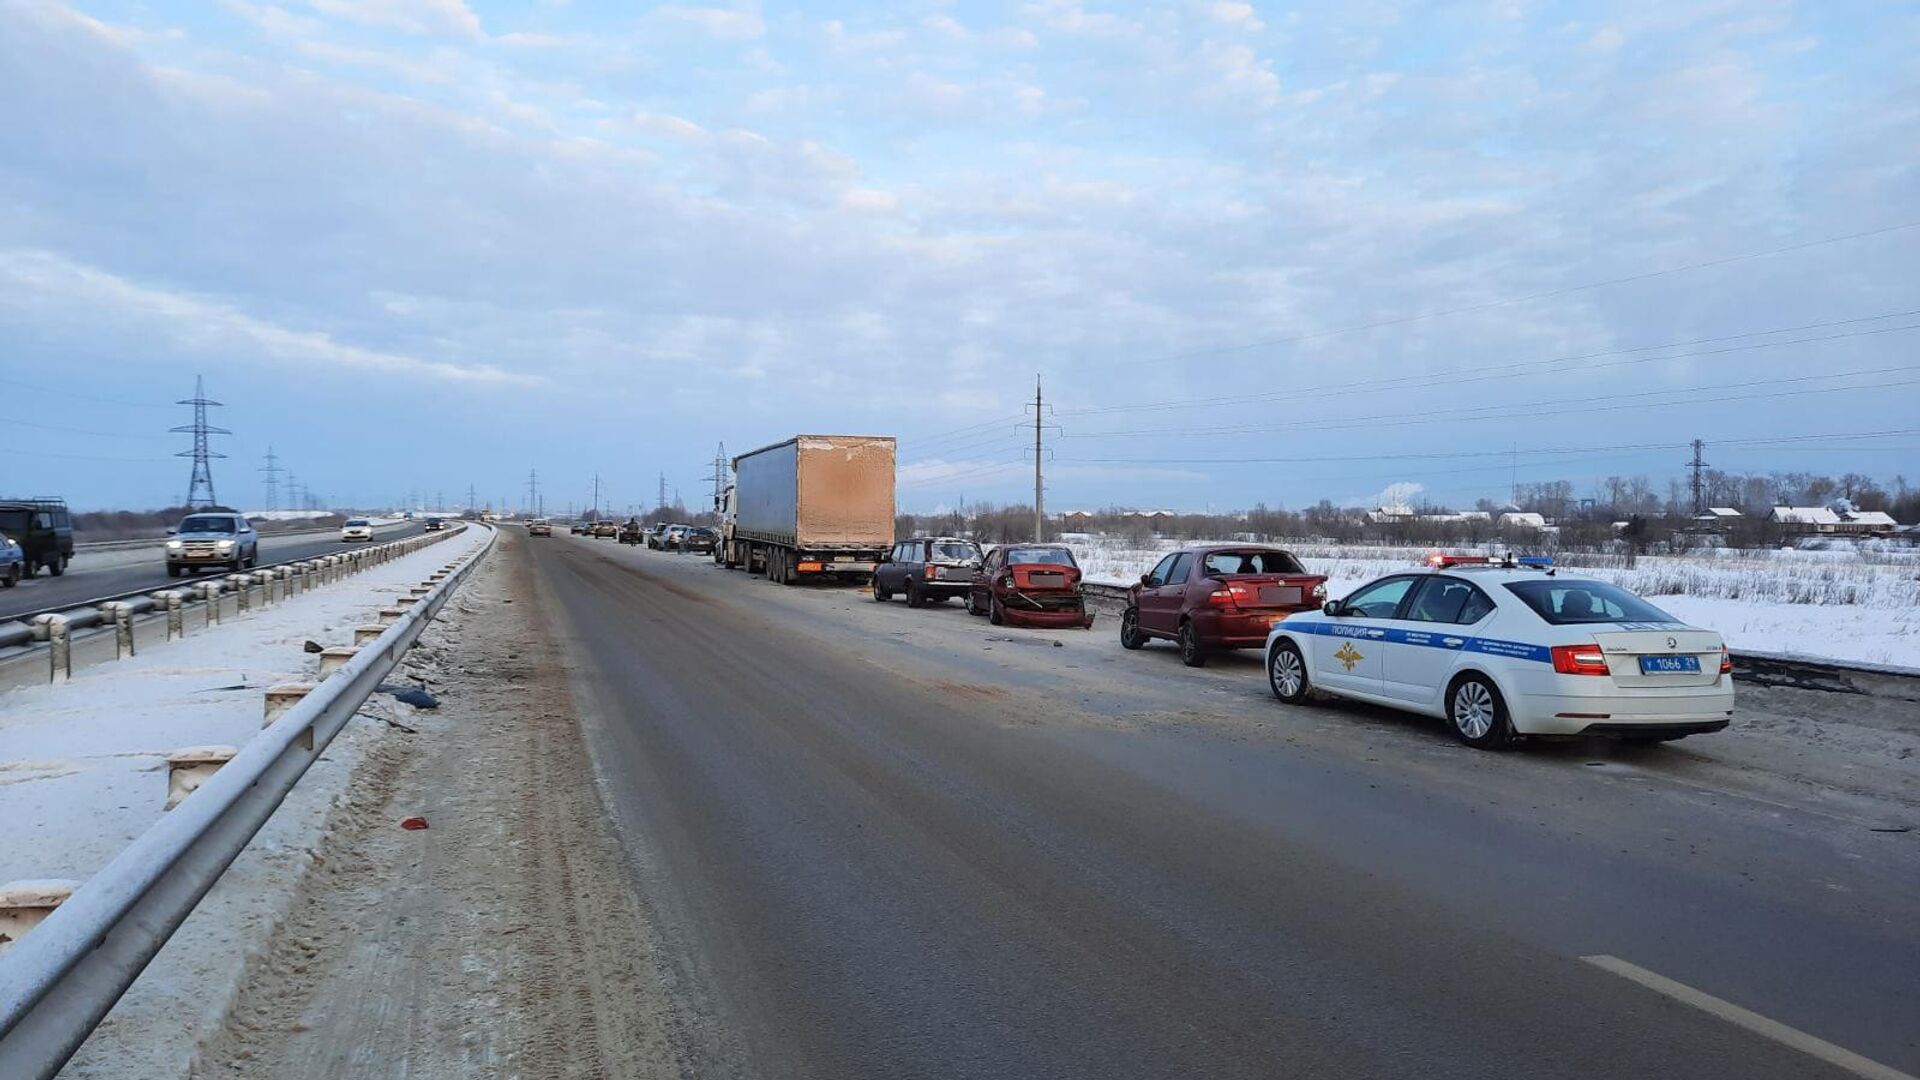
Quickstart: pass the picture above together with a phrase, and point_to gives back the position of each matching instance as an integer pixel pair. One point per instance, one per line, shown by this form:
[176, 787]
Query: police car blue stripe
[1513, 650]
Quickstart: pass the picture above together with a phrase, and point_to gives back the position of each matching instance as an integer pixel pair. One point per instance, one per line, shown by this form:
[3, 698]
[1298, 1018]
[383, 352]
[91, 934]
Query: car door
[1352, 658]
[983, 579]
[914, 566]
[1425, 642]
[889, 572]
[1160, 603]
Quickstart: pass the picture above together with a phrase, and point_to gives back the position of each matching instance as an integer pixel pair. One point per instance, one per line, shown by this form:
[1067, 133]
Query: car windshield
[357, 523]
[1030, 555]
[956, 551]
[207, 523]
[1252, 562]
[1563, 602]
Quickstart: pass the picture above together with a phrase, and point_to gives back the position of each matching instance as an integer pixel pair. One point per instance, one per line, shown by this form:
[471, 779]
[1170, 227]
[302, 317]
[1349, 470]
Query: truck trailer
[813, 506]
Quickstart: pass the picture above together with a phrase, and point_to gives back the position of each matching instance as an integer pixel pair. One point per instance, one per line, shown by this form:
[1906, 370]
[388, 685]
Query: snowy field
[1846, 603]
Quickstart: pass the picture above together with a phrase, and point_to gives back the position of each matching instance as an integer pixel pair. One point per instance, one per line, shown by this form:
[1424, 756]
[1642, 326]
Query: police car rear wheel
[1477, 715]
[1287, 673]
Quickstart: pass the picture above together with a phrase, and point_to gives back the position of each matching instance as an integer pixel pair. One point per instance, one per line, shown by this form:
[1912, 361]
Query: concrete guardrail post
[283, 696]
[390, 615]
[190, 767]
[364, 634]
[60, 655]
[26, 904]
[334, 657]
[122, 615]
[176, 624]
[242, 591]
[210, 592]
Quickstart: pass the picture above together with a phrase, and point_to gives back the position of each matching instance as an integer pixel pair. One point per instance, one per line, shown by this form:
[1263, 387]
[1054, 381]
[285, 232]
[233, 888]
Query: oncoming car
[13, 562]
[222, 540]
[356, 529]
[1503, 651]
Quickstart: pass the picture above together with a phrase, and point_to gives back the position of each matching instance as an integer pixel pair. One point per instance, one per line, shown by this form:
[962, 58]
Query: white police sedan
[1504, 650]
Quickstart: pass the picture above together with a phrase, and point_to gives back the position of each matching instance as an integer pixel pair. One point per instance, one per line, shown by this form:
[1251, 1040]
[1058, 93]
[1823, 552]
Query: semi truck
[814, 506]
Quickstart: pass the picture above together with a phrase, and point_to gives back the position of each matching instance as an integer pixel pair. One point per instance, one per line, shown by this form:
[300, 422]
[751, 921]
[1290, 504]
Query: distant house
[1075, 519]
[1522, 519]
[1840, 519]
[1460, 518]
[1390, 515]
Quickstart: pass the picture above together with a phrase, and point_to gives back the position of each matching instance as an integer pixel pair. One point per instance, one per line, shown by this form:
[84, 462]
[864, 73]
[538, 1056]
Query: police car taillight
[1579, 660]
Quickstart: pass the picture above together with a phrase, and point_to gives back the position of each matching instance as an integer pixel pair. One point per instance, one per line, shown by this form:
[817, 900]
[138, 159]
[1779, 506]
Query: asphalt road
[97, 574]
[887, 843]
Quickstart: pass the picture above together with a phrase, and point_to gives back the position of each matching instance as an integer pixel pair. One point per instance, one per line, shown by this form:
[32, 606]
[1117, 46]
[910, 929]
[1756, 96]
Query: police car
[1505, 649]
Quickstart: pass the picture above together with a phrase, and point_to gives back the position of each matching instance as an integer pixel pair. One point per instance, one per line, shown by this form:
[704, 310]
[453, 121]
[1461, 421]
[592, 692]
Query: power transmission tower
[472, 502]
[1039, 514]
[1698, 488]
[662, 501]
[533, 492]
[273, 470]
[200, 485]
[293, 491]
[596, 496]
[719, 473]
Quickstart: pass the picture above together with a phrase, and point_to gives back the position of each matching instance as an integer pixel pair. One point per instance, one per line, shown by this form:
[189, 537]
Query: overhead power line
[1504, 452]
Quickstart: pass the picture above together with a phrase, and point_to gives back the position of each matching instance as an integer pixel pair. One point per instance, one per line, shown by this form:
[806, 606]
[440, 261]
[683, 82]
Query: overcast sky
[422, 244]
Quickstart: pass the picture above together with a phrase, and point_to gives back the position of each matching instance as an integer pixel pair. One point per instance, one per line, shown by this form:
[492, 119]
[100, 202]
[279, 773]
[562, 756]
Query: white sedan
[356, 529]
[1501, 651]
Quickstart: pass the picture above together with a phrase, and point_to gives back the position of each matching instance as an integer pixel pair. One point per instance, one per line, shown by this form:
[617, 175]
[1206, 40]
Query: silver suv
[220, 540]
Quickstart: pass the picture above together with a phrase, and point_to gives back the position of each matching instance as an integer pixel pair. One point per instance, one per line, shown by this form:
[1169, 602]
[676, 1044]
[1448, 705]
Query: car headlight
[224, 545]
[173, 545]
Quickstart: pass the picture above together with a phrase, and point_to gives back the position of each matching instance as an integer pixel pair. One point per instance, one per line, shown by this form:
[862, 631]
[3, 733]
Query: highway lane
[98, 574]
[888, 843]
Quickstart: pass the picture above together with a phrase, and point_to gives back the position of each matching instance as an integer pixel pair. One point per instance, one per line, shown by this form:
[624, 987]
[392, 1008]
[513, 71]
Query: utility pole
[273, 470]
[596, 496]
[200, 484]
[1697, 465]
[662, 501]
[1039, 514]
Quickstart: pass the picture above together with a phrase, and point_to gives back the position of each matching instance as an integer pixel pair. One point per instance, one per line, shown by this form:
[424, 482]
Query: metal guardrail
[17, 630]
[1761, 668]
[60, 979]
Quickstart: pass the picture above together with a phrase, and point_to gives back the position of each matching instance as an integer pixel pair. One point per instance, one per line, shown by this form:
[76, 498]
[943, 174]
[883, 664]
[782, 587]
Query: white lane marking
[1837, 1056]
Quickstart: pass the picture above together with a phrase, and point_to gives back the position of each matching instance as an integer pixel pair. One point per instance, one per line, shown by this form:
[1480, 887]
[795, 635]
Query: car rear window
[956, 552]
[1031, 555]
[1564, 602]
[1251, 562]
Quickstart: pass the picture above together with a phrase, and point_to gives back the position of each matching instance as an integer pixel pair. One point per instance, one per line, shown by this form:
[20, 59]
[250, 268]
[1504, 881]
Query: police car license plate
[1669, 665]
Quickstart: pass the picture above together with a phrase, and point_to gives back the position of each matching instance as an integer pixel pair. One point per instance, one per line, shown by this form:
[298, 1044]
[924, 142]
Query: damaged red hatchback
[1029, 585]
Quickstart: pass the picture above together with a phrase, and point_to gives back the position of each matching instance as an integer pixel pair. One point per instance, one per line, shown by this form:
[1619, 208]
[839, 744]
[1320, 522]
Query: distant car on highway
[927, 568]
[13, 562]
[1501, 651]
[222, 540]
[631, 532]
[604, 529]
[1029, 585]
[356, 529]
[1213, 598]
[700, 539]
[435, 524]
[43, 529]
[539, 527]
[581, 528]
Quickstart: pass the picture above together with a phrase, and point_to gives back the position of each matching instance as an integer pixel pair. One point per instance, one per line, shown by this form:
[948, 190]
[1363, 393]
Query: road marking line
[1837, 1056]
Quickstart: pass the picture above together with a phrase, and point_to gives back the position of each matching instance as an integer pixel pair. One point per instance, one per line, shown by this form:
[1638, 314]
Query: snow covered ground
[83, 765]
[1846, 603]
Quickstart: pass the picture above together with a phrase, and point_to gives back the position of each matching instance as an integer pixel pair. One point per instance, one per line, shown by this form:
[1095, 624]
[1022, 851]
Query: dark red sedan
[1215, 598]
[1029, 585]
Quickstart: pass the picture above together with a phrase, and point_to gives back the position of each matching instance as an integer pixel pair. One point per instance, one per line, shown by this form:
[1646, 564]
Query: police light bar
[1540, 561]
[1439, 560]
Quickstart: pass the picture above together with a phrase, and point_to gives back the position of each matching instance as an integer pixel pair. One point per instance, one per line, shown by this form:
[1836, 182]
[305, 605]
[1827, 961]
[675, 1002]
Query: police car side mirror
[1334, 608]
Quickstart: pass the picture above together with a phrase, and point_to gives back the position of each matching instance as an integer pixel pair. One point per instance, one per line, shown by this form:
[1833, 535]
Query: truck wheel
[915, 598]
[58, 566]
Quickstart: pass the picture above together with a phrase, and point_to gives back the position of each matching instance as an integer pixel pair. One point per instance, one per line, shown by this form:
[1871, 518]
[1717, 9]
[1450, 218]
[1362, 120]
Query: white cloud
[1236, 13]
[433, 17]
[45, 284]
[1238, 73]
[716, 22]
[1606, 39]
